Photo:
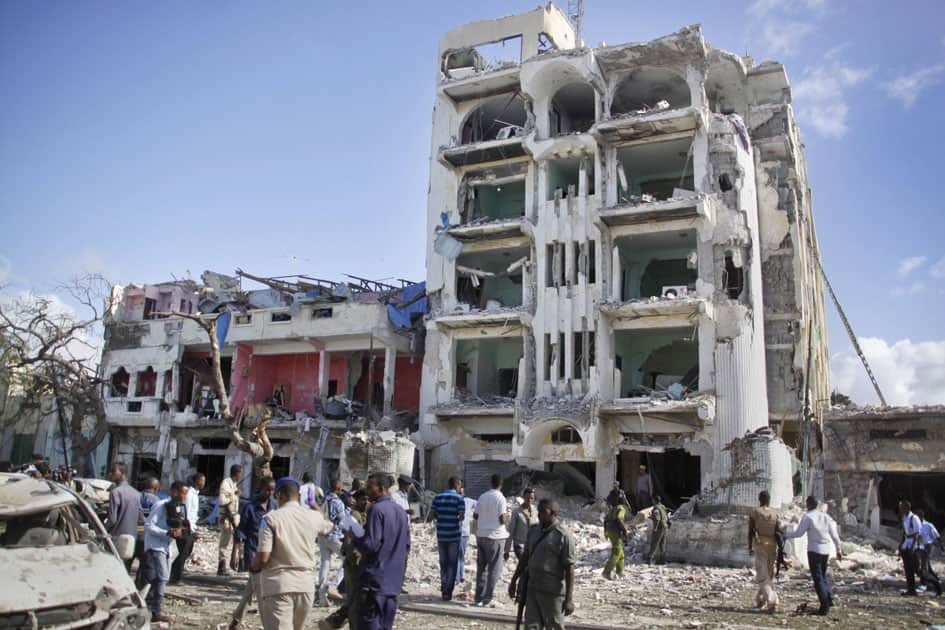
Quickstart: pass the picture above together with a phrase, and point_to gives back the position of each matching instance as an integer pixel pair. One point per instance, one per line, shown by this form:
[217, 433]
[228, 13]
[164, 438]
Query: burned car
[60, 567]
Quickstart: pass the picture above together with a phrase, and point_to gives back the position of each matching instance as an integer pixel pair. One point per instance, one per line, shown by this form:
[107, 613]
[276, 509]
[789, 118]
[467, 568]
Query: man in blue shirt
[909, 551]
[160, 531]
[330, 544]
[384, 549]
[251, 517]
[449, 509]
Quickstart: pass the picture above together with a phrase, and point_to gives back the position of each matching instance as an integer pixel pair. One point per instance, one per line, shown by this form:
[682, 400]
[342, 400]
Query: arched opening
[496, 118]
[566, 435]
[648, 89]
[146, 383]
[572, 109]
[119, 383]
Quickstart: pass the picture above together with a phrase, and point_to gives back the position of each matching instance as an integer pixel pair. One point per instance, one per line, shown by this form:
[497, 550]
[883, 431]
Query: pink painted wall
[298, 372]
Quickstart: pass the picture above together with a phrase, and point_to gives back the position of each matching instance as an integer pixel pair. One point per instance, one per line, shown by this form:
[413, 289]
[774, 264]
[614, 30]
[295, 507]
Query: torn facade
[598, 277]
[323, 355]
[875, 457]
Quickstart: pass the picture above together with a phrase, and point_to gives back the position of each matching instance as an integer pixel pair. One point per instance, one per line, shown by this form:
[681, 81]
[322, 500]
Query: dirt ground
[671, 596]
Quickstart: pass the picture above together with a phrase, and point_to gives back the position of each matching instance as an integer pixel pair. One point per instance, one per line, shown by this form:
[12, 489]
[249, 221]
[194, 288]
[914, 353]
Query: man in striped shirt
[449, 509]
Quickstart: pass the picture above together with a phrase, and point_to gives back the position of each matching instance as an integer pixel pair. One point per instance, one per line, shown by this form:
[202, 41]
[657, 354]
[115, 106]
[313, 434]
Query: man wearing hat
[286, 559]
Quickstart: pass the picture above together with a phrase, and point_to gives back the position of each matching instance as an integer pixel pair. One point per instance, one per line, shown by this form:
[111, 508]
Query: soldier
[763, 543]
[547, 571]
[660, 518]
[616, 532]
[229, 516]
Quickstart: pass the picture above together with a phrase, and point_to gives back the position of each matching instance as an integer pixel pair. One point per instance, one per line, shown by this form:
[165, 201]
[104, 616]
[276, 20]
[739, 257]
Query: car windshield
[63, 525]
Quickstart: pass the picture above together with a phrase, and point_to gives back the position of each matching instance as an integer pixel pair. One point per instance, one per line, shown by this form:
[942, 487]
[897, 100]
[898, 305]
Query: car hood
[43, 577]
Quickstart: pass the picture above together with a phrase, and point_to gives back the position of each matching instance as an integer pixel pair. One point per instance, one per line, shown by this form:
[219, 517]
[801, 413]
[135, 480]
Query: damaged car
[61, 569]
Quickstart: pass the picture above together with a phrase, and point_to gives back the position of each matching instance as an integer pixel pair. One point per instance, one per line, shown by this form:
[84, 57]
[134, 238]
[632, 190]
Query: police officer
[548, 566]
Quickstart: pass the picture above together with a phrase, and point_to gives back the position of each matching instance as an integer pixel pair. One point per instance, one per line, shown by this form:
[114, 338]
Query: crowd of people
[766, 538]
[306, 548]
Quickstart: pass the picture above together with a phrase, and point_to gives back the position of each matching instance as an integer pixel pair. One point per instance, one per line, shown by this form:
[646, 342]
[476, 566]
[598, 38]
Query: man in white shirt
[930, 537]
[909, 550]
[822, 538]
[465, 529]
[491, 517]
[310, 495]
[401, 496]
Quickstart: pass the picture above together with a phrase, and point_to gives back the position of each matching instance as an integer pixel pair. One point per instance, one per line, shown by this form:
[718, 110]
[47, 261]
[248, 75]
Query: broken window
[566, 435]
[505, 53]
[733, 277]
[493, 198]
[489, 369]
[655, 171]
[650, 89]
[555, 265]
[662, 362]
[146, 383]
[134, 406]
[496, 118]
[546, 43]
[150, 305]
[494, 438]
[898, 434]
[322, 313]
[549, 356]
[119, 383]
[565, 177]
[280, 316]
[660, 264]
[561, 366]
[584, 261]
[573, 109]
[491, 279]
[579, 352]
[244, 319]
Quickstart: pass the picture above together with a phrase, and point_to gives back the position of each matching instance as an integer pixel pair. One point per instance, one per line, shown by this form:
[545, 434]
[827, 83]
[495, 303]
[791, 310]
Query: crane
[576, 15]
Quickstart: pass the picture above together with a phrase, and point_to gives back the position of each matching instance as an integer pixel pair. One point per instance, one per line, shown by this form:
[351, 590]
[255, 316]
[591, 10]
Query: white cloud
[820, 95]
[907, 87]
[6, 270]
[915, 288]
[937, 270]
[761, 8]
[908, 373]
[783, 37]
[908, 265]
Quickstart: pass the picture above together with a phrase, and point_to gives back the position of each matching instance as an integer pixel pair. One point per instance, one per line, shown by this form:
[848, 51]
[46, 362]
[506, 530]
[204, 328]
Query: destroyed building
[324, 357]
[621, 263]
[874, 457]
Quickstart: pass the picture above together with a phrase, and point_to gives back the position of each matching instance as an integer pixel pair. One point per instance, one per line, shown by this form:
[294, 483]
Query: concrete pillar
[605, 473]
[324, 361]
[390, 369]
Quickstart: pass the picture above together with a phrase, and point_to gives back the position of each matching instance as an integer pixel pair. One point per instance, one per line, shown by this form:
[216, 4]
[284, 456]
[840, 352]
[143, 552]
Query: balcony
[694, 207]
[463, 86]
[648, 124]
[662, 415]
[683, 309]
[485, 151]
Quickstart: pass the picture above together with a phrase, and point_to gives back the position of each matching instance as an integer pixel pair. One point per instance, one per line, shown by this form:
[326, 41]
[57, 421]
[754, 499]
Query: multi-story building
[621, 261]
[301, 347]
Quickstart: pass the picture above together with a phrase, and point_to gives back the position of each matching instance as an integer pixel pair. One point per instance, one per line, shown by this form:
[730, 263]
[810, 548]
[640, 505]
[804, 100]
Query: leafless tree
[49, 362]
[259, 448]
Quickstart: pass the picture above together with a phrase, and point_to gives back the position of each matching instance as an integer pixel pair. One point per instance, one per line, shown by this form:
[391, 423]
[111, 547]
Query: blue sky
[150, 139]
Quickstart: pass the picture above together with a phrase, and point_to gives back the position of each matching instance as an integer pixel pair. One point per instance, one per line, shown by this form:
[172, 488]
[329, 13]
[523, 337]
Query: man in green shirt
[548, 565]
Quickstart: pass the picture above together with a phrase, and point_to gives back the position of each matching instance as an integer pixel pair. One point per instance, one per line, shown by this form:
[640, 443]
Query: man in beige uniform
[228, 516]
[763, 543]
[286, 559]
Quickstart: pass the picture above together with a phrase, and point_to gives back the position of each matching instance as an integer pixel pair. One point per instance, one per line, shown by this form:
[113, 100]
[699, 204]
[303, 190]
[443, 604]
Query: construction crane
[576, 15]
[849, 329]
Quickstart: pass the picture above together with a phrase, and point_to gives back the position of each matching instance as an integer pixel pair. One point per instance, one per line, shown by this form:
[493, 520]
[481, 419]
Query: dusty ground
[672, 596]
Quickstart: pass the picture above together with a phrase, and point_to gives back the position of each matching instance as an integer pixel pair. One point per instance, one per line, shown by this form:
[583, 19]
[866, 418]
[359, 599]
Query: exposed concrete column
[324, 361]
[605, 473]
[390, 368]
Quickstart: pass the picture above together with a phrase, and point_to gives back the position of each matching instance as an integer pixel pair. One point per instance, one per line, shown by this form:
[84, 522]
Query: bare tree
[48, 362]
[259, 448]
